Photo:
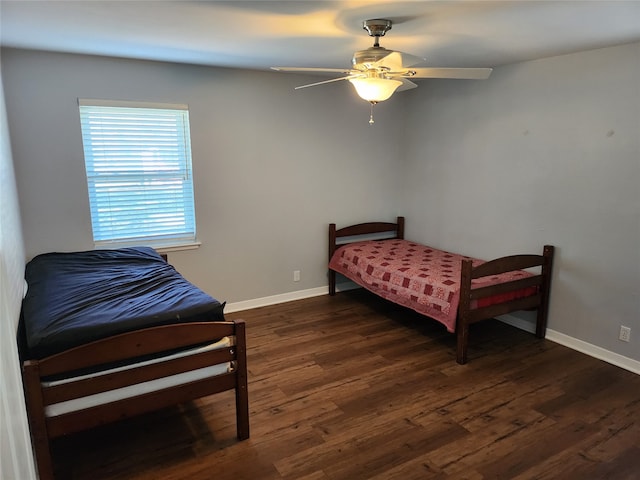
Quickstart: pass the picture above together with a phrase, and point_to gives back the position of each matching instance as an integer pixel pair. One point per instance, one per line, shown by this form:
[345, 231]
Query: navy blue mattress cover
[78, 297]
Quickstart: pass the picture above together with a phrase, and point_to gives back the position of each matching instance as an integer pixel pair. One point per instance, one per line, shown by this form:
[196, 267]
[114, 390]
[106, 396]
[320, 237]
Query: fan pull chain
[371, 121]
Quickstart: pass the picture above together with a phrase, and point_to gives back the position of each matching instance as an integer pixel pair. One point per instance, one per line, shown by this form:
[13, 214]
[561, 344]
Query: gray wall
[543, 152]
[272, 166]
[16, 459]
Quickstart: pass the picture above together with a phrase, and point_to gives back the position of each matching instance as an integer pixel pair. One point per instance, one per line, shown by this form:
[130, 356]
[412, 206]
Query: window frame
[142, 180]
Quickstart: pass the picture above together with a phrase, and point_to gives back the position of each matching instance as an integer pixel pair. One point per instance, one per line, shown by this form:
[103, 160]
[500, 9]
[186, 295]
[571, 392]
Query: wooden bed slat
[134, 344]
[99, 415]
[525, 303]
[111, 381]
[507, 264]
[482, 292]
[367, 228]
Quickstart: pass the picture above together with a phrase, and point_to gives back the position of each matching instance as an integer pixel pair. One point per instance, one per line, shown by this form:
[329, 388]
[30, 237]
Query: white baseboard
[286, 297]
[578, 345]
[275, 299]
[552, 335]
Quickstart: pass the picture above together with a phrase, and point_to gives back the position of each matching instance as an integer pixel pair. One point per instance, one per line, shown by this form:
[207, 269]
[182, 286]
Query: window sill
[158, 247]
[177, 248]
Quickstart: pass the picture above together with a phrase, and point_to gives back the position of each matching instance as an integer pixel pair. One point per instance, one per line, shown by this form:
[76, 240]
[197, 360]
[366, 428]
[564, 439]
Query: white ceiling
[260, 34]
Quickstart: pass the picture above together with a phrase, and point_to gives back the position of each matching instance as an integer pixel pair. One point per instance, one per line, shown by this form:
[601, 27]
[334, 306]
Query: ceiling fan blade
[398, 61]
[461, 73]
[348, 77]
[311, 70]
[406, 84]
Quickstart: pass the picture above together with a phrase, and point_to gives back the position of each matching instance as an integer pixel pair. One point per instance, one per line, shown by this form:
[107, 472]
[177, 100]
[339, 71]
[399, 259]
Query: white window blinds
[138, 163]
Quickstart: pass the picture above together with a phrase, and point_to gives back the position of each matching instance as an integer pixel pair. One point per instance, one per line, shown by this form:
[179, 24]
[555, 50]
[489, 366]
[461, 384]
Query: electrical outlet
[296, 275]
[625, 333]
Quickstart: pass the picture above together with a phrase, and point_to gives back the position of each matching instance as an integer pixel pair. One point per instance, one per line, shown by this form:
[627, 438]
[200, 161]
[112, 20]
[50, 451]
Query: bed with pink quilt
[454, 289]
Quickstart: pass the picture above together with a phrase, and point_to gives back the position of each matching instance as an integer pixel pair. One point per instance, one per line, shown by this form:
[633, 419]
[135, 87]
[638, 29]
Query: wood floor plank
[352, 387]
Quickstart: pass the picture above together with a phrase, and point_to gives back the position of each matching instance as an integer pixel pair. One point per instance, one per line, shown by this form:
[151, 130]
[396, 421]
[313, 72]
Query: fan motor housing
[365, 58]
[377, 27]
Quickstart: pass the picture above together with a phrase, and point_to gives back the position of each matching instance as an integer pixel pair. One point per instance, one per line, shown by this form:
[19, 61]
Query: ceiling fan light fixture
[376, 73]
[375, 89]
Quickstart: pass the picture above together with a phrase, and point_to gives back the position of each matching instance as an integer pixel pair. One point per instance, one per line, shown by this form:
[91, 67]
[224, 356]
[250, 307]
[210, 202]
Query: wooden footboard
[125, 347]
[469, 313]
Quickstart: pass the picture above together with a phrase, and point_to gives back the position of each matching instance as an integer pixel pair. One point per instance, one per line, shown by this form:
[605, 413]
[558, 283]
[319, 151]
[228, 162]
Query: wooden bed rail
[134, 344]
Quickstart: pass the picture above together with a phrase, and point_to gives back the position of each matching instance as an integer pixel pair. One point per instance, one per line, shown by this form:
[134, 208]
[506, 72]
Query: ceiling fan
[377, 72]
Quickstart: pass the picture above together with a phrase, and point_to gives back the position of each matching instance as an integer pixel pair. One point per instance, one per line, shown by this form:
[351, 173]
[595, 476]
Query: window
[138, 163]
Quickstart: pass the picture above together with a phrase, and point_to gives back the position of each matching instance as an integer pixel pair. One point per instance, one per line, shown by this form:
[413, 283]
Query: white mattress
[140, 388]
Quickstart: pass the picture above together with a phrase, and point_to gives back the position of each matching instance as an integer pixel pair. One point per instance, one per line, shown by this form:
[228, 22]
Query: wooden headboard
[370, 228]
[363, 229]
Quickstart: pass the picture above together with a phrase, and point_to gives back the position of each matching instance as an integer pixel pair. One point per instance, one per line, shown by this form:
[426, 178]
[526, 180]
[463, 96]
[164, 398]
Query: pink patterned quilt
[416, 276]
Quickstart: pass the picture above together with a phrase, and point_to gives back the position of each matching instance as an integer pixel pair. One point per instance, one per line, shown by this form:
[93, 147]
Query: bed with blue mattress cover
[108, 334]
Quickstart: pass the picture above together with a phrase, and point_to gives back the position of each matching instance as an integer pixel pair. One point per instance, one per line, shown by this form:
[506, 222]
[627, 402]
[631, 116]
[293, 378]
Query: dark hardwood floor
[351, 387]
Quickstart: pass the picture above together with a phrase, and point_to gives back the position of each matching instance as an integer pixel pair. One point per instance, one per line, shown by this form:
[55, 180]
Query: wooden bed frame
[467, 314]
[125, 348]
